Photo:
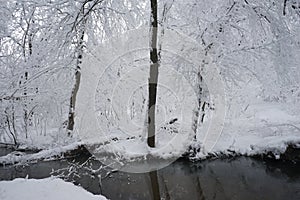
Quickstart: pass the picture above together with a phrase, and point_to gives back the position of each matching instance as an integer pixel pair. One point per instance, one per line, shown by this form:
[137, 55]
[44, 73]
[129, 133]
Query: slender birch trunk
[71, 118]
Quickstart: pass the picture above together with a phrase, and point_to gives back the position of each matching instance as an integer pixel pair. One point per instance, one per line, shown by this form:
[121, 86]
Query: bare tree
[79, 50]
[153, 75]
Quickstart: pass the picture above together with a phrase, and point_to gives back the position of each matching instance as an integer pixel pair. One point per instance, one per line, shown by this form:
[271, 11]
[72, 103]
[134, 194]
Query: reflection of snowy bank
[43, 189]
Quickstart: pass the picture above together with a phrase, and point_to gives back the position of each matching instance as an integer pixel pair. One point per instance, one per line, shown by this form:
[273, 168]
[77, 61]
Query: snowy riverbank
[43, 189]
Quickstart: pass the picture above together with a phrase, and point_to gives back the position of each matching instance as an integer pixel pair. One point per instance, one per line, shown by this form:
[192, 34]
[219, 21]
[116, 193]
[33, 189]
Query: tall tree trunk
[26, 116]
[71, 120]
[284, 7]
[152, 82]
[80, 23]
[199, 109]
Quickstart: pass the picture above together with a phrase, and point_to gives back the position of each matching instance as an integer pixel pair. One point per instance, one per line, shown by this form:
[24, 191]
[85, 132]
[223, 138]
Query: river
[231, 178]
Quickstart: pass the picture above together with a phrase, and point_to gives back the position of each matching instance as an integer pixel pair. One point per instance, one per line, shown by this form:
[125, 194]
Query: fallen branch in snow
[7, 144]
[18, 157]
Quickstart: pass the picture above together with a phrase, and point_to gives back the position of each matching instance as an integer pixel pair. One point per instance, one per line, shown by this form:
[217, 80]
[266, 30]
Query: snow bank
[20, 157]
[43, 189]
[261, 128]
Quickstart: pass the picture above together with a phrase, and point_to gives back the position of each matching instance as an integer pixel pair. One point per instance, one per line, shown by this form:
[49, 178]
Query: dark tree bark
[154, 185]
[152, 82]
[80, 22]
[284, 7]
[71, 121]
[71, 117]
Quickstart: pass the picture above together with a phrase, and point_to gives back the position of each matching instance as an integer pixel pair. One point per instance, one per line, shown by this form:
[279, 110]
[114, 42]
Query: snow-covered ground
[261, 128]
[253, 45]
[43, 189]
[111, 109]
[46, 154]
[112, 104]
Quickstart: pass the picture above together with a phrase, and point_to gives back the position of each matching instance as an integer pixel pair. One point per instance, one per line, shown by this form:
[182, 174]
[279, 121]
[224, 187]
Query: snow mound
[43, 189]
[268, 127]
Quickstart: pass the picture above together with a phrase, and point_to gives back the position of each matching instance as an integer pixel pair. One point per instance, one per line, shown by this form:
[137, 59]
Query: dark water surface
[240, 178]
